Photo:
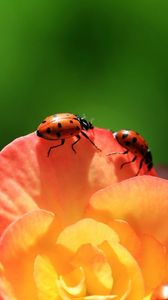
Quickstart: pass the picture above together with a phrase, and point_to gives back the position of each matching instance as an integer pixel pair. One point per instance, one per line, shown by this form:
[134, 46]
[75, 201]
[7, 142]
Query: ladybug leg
[86, 136]
[62, 142]
[140, 166]
[128, 162]
[78, 138]
[125, 152]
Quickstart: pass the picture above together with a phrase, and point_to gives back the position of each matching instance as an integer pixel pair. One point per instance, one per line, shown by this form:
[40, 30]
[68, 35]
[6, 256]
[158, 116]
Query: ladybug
[133, 142]
[62, 126]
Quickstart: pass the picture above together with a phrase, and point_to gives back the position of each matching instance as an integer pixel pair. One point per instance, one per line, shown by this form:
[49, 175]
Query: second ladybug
[62, 126]
[133, 142]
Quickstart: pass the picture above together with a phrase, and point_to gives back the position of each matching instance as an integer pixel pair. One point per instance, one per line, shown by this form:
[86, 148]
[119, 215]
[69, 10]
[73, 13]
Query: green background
[105, 59]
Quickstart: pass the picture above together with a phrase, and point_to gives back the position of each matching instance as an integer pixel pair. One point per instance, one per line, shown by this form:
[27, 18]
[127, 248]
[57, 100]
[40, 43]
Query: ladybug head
[86, 125]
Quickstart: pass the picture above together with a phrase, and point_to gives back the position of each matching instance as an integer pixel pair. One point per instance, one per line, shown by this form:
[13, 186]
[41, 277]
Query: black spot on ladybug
[44, 121]
[77, 128]
[38, 133]
[142, 152]
[149, 154]
[59, 125]
[48, 130]
[127, 143]
[148, 157]
[58, 134]
[150, 165]
[71, 121]
[124, 135]
[134, 140]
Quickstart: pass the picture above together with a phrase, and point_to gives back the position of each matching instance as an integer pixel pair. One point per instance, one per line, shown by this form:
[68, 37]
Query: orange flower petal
[128, 238]
[152, 262]
[45, 278]
[98, 297]
[148, 297]
[84, 232]
[142, 201]
[73, 283]
[98, 272]
[160, 293]
[5, 287]
[19, 180]
[88, 231]
[24, 233]
[127, 275]
[30, 179]
[18, 249]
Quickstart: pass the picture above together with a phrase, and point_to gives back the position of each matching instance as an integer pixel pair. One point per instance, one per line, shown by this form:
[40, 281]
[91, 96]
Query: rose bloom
[76, 226]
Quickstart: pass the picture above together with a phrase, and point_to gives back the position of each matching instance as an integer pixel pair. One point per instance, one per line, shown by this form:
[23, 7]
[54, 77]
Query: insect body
[63, 126]
[136, 144]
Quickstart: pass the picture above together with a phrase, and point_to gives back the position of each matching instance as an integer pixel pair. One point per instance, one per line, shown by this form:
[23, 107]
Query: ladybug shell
[132, 141]
[59, 126]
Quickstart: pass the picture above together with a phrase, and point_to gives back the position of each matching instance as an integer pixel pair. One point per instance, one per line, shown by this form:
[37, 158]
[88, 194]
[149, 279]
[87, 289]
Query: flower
[77, 226]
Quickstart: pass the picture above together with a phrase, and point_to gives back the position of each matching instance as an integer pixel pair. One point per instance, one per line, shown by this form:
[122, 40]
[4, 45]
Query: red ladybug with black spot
[133, 142]
[62, 126]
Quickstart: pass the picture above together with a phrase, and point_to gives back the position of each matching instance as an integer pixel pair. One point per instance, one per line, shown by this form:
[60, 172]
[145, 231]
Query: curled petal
[74, 283]
[127, 235]
[98, 272]
[24, 233]
[86, 231]
[141, 201]
[45, 278]
[152, 261]
[128, 280]
[18, 247]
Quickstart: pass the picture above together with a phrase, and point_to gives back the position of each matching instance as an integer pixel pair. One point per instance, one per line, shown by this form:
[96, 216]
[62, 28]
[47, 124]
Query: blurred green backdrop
[105, 59]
